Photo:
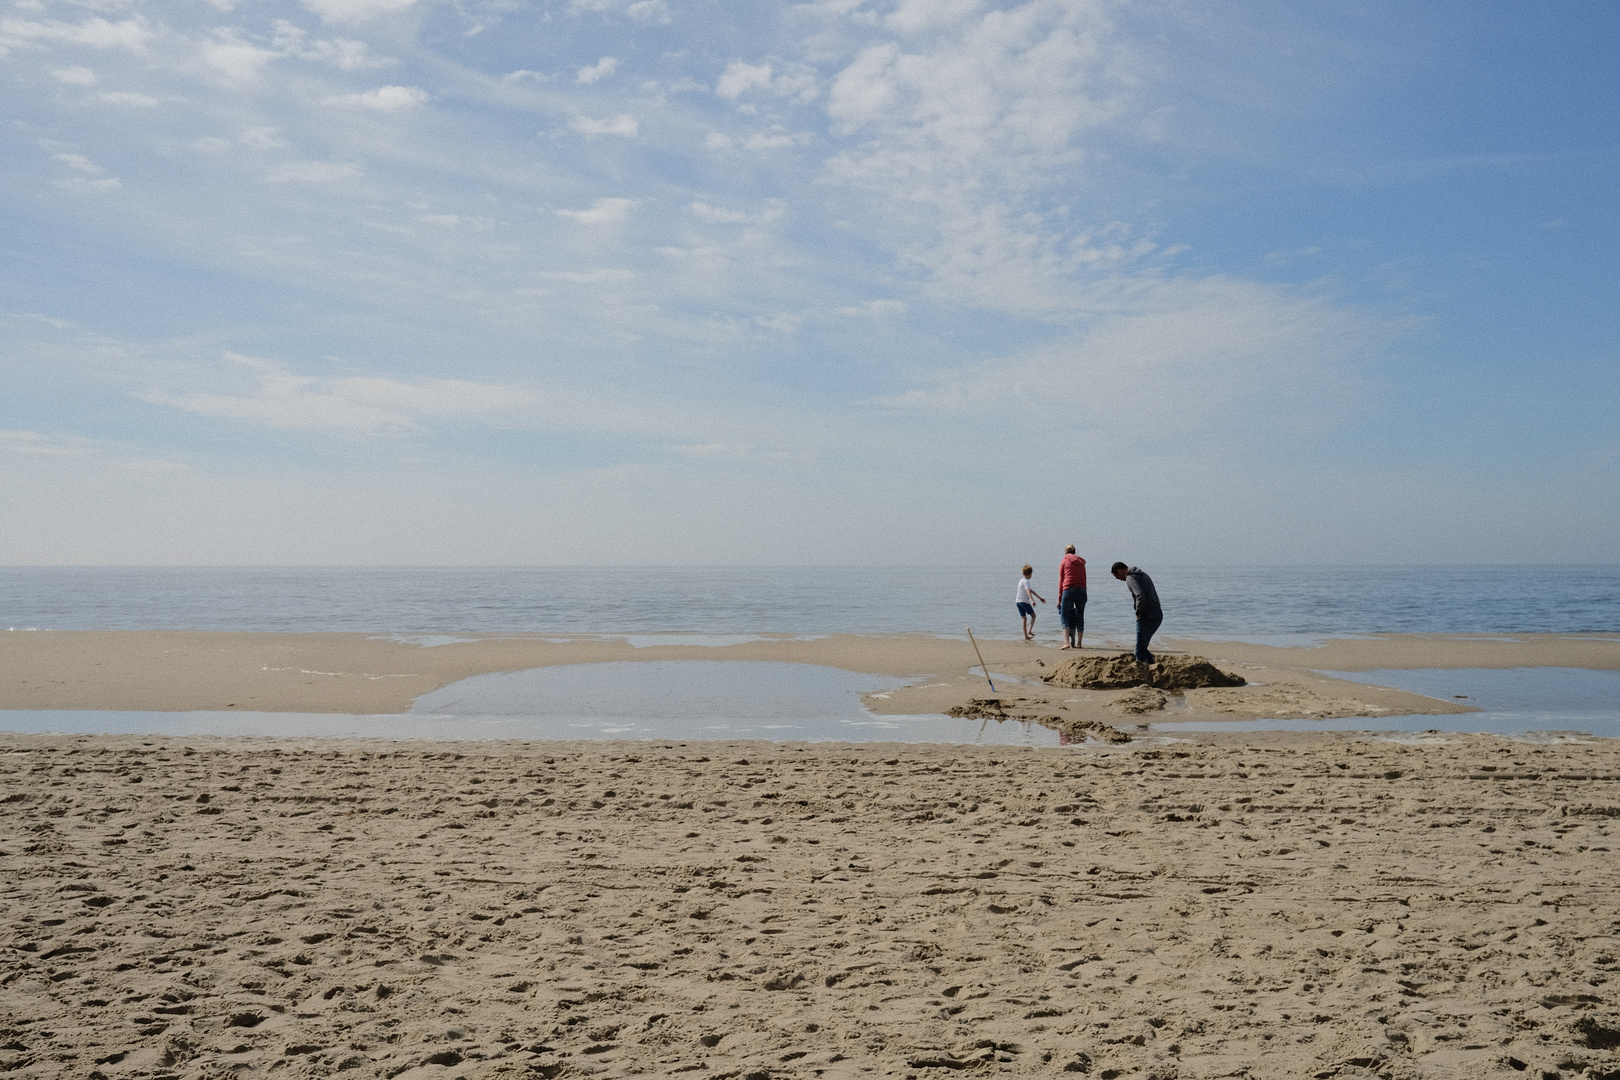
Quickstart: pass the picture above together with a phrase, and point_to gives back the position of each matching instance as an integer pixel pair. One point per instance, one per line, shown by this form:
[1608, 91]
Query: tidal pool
[625, 699]
[1512, 701]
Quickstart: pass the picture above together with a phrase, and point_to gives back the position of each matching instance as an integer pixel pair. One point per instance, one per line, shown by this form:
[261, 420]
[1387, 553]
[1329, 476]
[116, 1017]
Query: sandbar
[176, 671]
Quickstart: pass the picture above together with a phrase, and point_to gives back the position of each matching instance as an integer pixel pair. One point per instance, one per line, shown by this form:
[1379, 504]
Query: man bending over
[1148, 612]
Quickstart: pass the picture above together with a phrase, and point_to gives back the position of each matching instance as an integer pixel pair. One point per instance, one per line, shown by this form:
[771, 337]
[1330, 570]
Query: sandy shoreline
[1293, 906]
[176, 671]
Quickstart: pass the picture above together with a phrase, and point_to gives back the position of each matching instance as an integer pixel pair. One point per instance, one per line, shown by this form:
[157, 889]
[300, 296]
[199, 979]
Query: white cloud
[737, 451]
[874, 309]
[777, 138]
[75, 76]
[962, 129]
[32, 442]
[80, 183]
[262, 138]
[356, 11]
[598, 276]
[598, 71]
[258, 138]
[388, 99]
[79, 162]
[649, 11]
[623, 124]
[1214, 354]
[233, 58]
[740, 77]
[125, 99]
[601, 212]
[921, 16]
[346, 54]
[782, 322]
[132, 35]
[774, 138]
[715, 215]
[734, 451]
[354, 404]
[77, 447]
[313, 172]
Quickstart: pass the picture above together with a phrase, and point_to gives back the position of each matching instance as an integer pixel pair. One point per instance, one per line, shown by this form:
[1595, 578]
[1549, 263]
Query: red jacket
[1071, 573]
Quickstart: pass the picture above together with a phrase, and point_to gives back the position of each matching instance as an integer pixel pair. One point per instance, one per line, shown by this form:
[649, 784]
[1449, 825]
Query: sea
[710, 700]
[1199, 601]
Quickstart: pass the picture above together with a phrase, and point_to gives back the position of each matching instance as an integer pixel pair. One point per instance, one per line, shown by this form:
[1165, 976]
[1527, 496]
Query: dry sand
[1308, 906]
[369, 674]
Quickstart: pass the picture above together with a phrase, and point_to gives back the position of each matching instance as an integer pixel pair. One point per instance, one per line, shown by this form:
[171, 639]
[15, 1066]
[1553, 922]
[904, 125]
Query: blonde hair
[1069, 550]
[1028, 570]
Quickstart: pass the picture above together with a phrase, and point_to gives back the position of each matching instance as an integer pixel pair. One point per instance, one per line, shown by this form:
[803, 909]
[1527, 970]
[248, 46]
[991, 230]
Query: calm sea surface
[1211, 601]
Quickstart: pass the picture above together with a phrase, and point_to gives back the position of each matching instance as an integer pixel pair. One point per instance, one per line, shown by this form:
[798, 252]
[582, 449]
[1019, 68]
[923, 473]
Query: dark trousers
[1072, 610]
[1146, 627]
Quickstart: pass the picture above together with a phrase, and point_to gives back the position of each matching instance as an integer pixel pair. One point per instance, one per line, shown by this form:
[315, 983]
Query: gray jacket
[1143, 594]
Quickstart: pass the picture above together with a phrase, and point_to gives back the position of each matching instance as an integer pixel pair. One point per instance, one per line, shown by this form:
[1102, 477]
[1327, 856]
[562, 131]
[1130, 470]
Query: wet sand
[367, 674]
[1266, 906]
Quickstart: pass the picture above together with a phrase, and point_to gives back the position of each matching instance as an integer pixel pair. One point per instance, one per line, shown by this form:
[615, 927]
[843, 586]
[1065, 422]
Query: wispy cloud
[601, 212]
[623, 124]
[131, 35]
[597, 71]
[352, 404]
[314, 172]
[389, 99]
[75, 76]
[357, 11]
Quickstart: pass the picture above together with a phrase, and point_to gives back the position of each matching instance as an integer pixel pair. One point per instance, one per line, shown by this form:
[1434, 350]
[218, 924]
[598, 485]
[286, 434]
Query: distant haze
[866, 282]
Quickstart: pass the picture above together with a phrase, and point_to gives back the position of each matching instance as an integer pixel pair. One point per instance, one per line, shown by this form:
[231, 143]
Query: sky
[888, 282]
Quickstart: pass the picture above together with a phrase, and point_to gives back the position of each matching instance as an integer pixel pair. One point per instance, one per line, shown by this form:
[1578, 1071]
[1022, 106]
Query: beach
[1217, 904]
[1288, 906]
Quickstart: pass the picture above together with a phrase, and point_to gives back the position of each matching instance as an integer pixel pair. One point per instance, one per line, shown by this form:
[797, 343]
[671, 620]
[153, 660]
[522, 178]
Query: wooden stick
[981, 660]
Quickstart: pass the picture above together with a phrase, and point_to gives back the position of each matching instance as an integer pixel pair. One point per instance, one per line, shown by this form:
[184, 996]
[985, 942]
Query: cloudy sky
[845, 281]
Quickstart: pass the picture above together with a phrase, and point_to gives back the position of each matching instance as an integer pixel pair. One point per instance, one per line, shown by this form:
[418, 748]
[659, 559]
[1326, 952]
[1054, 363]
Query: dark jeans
[1146, 627]
[1072, 610]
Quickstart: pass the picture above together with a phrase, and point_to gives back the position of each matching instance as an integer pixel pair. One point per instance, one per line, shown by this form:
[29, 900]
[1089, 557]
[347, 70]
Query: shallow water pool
[627, 699]
[1512, 701]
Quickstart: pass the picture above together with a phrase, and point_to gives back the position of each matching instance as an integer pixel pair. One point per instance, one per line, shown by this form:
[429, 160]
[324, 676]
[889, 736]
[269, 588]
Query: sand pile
[1175, 674]
[1024, 709]
[1143, 699]
[980, 709]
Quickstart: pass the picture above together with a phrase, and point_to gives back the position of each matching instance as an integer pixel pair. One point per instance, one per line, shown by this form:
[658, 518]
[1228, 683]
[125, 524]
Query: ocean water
[1199, 601]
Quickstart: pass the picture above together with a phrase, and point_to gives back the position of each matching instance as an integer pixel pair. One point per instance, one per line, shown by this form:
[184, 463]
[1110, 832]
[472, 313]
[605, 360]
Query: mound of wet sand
[1173, 674]
[988, 708]
[995, 709]
[1143, 699]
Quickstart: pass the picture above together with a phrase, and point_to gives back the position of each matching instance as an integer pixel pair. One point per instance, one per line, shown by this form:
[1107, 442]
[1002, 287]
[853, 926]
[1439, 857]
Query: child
[1026, 610]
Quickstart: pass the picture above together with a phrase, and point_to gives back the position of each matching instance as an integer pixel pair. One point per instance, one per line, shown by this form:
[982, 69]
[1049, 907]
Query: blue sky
[894, 281]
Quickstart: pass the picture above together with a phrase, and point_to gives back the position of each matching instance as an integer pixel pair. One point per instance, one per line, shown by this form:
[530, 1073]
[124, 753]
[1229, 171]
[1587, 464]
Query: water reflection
[705, 699]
